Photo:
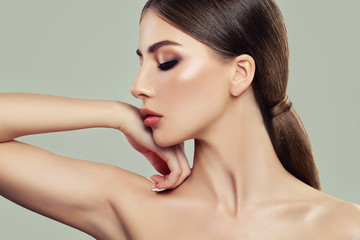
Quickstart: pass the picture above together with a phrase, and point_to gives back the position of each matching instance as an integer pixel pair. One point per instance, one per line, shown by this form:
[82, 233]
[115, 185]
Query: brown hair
[254, 27]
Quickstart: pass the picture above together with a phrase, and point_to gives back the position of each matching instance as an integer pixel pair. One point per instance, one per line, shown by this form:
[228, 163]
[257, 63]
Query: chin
[166, 141]
[163, 142]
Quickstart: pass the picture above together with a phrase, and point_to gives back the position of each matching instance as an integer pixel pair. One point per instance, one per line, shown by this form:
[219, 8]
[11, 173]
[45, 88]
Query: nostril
[141, 96]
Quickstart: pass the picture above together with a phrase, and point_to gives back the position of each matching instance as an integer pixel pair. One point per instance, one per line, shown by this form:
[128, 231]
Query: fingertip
[157, 178]
[158, 189]
[166, 185]
[161, 182]
[149, 178]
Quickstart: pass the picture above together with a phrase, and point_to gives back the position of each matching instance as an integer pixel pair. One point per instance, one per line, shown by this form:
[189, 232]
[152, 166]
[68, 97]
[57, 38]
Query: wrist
[127, 116]
[119, 112]
[112, 117]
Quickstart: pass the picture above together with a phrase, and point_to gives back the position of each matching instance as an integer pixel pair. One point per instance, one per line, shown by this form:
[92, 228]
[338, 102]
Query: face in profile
[180, 79]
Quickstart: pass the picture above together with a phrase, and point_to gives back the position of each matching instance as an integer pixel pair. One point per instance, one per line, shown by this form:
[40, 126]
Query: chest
[180, 223]
[179, 218]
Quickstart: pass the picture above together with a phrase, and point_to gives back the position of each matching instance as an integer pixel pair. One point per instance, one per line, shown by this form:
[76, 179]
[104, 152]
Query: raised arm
[73, 191]
[23, 114]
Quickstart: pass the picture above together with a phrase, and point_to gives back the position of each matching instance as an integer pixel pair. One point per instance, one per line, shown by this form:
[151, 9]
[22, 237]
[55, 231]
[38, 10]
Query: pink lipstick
[151, 118]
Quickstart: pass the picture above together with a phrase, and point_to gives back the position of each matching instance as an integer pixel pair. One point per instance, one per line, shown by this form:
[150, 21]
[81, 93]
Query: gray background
[86, 49]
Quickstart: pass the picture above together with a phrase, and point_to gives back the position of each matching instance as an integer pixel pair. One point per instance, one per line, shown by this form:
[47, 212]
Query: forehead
[154, 29]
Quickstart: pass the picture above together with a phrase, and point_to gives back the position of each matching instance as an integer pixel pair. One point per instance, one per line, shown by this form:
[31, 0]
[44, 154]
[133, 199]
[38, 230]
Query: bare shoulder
[127, 188]
[344, 219]
[143, 213]
[129, 195]
[336, 219]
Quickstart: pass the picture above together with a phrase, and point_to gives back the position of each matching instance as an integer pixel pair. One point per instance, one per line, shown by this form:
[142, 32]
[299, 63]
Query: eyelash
[168, 65]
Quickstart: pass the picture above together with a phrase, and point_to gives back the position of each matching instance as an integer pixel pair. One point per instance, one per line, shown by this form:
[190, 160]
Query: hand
[171, 162]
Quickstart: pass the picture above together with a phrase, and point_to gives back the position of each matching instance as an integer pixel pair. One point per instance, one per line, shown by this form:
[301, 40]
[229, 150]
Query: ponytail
[292, 144]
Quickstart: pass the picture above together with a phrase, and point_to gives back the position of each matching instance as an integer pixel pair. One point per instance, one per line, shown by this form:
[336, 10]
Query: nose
[141, 87]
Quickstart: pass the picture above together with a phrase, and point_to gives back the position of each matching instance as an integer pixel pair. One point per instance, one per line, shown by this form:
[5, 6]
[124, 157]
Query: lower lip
[151, 121]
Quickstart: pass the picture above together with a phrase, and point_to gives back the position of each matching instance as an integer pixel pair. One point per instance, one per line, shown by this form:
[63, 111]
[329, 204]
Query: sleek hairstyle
[254, 27]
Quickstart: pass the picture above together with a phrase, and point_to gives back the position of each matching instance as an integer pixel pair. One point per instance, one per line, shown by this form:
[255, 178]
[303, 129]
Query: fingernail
[158, 190]
[151, 179]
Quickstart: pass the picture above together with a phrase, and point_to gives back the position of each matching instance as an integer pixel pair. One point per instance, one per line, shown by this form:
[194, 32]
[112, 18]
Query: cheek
[191, 96]
[192, 84]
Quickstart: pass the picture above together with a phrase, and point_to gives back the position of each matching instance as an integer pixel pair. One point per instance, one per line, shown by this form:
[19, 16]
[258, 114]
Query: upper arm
[355, 219]
[71, 191]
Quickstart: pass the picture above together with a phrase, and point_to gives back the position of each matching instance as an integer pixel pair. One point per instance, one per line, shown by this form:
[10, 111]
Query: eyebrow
[158, 45]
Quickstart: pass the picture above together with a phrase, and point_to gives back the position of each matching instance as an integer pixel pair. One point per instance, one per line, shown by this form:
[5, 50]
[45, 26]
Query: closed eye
[168, 65]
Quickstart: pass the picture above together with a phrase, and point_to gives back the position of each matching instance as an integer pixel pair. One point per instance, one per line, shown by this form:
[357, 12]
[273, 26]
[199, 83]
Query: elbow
[5, 135]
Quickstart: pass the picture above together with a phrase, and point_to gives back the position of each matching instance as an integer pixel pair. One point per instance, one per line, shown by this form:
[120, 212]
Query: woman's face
[180, 79]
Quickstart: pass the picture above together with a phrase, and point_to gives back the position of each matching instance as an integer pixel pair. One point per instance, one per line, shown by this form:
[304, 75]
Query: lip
[147, 112]
[151, 117]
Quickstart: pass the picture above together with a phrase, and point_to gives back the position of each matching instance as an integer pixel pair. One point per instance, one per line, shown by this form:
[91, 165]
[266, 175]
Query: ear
[244, 72]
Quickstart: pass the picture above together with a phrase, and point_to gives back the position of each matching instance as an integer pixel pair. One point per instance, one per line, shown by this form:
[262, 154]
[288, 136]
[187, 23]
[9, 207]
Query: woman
[213, 71]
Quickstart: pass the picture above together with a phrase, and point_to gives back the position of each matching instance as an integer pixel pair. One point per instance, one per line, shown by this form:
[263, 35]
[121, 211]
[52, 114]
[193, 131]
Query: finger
[176, 163]
[157, 178]
[184, 165]
[161, 164]
[157, 162]
[175, 173]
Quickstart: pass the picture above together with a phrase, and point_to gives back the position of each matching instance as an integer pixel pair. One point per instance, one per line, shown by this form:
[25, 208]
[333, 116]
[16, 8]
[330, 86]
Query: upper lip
[147, 112]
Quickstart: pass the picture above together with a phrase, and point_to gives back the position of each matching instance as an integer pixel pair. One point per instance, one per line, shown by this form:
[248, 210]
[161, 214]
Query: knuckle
[165, 158]
[187, 172]
[178, 173]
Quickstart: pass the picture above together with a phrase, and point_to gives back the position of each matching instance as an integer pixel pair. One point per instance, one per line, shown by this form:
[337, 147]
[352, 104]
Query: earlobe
[244, 72]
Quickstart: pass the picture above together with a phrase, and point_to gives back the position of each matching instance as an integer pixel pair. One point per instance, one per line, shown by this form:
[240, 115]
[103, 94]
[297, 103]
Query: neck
[235, 163]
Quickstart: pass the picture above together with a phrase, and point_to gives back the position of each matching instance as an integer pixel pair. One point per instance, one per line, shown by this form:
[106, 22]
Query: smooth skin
[237, 188]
